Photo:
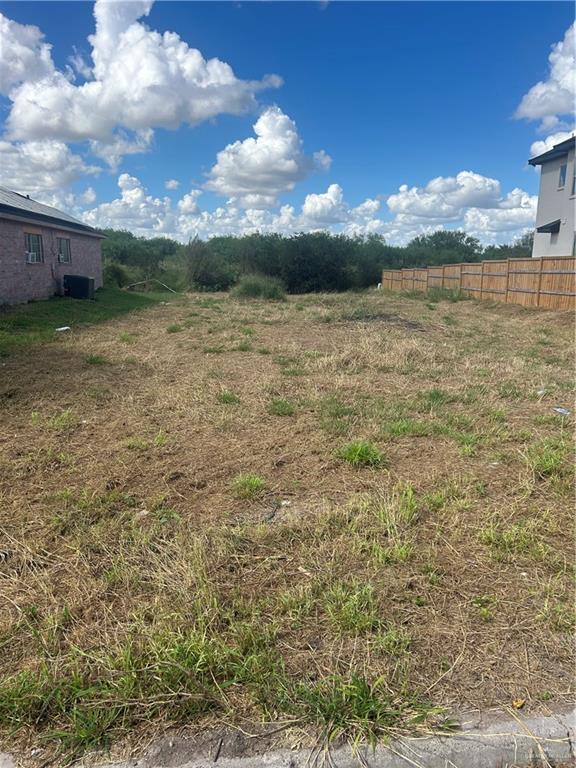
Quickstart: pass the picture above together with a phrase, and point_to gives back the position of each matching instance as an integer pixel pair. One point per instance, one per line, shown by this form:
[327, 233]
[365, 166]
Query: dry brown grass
[121, 528]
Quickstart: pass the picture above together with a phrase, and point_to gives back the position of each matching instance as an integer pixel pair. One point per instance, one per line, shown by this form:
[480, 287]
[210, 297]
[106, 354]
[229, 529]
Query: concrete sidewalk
[481, 743]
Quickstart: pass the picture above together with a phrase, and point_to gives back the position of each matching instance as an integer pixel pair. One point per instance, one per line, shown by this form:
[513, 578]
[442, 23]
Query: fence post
[481, 280]
[539, 282]
[426, 286]
[443, 275]
[507, 280]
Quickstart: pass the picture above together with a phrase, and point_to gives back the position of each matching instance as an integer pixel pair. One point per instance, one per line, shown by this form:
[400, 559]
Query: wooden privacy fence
[547, 282]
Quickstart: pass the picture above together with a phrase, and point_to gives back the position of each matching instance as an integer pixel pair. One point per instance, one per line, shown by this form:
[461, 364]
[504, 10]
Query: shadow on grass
[36, 322]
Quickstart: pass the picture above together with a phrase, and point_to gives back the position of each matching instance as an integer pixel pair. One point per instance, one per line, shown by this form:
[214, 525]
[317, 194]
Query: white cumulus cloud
[495, 219]
[24, 54]
[444, 197]
[40, 168]
[171, 184]
[515, 214]
[325, 208]
[254, 172]
[554, 97]
[142, 79]
[543, 145]
[134, 210]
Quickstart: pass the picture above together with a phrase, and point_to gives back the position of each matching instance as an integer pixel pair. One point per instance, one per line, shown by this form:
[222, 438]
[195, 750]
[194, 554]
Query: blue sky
[391, 94]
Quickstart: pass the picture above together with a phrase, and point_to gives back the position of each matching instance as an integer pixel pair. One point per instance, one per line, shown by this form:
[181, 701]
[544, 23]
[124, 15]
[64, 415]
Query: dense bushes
[302, 263]
[207, 270]
[115, 275]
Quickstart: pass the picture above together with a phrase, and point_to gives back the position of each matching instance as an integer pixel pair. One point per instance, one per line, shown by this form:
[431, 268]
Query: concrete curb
[525, 741]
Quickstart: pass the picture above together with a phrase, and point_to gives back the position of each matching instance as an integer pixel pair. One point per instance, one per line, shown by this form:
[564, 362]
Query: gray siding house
[39, 245]
[554, 234]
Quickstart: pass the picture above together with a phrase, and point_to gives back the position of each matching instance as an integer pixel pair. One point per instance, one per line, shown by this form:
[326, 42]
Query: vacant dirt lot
[188, 536]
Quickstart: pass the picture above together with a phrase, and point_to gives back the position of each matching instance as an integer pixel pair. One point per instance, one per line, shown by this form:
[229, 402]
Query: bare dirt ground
[144, 579]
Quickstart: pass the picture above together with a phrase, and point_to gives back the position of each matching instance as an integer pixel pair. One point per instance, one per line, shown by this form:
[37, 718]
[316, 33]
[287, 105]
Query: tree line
[303, 262]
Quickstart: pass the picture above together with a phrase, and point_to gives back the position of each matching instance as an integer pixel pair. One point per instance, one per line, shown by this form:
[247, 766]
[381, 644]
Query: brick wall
[20, 281]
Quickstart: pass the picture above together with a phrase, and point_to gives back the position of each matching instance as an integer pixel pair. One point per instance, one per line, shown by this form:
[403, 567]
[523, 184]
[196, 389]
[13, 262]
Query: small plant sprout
[248, 485]
[137, 444]
[160, 439]
[484, 605]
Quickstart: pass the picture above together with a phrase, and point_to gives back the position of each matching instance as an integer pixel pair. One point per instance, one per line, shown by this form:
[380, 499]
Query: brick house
[39, 245]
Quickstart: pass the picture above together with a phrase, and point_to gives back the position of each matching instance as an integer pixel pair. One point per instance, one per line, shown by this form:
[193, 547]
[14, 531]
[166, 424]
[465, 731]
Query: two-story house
[554, 234]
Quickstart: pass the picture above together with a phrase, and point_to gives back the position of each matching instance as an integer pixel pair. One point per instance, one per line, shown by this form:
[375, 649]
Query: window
[562, 177]
[34, 250]
[64, 256]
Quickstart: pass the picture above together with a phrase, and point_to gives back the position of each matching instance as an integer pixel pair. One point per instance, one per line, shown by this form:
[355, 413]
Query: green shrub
[205, 269]
[259, 287]
[115, 275]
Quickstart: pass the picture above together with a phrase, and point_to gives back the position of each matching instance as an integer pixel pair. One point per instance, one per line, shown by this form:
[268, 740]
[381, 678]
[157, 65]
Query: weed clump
[361, 453]
[248, 485]
[95, 360]
[356, 708]
[227, 398]
[546, 458]
[280, 407]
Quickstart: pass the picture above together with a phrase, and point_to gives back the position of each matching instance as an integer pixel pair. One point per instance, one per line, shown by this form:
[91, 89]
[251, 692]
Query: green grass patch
[36, 322]
[335, 416]
[393, 640]
[522, 538]
[408, 427]
[227, 398]
[248, 485]
[546, 458]
[357, 709]
[95, 360]
[281, 407]
[352, 607]
[361, 453]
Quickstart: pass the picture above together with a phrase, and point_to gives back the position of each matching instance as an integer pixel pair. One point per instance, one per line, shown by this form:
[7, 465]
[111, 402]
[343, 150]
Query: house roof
[558, 150]
[21, 206]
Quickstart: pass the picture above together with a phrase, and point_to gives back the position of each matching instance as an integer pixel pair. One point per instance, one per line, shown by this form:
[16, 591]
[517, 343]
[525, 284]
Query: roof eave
[559, 150]
[40, 218]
